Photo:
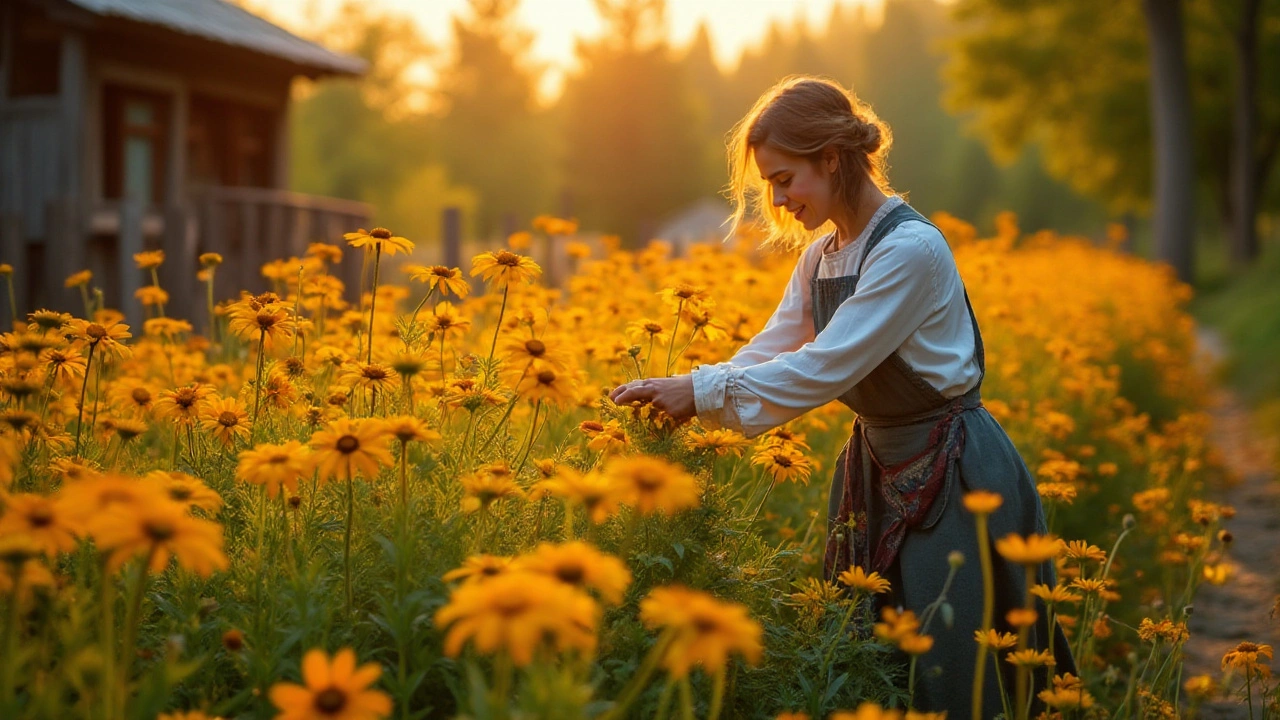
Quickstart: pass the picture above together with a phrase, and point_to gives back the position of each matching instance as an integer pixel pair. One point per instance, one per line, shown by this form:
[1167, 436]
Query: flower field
[424, 505]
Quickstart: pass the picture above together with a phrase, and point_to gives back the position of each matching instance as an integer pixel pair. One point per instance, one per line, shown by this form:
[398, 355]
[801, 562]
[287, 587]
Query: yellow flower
[348, 448]
[1201, 687]
[446, 322]
[47, 521]
[1031, 550]
[995, 640]
[505, 268]
[448, 280]
[722, 442]
[106, 336]
[185, 490]
[406, 429]
[252, 320]
[374, 376]
[901, 629]
[516, 613]
[593, 491]
[379, 238]
[783, 463]
[210, 260]
[653, 485]
[332, 690]
[181, 405]
[1246, 657]
[982, 502]
[1030, 658]
[858, 579]
[149, 259]
[78, 279]
[705, 630]
[580, 565]
[150, 295]
[544, 382]
[486, 485]
[1081, 551]
[226, 419]
[275, 466]
[479, 568]
[866, 711]
[159, 528]
[1054, 595]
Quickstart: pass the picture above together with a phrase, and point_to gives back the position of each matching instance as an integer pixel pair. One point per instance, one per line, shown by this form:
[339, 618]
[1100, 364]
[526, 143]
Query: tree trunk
[1244, 161]
[1174, 220]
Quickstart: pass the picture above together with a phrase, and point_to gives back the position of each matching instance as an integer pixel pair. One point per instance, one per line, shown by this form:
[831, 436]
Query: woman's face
[802, 187]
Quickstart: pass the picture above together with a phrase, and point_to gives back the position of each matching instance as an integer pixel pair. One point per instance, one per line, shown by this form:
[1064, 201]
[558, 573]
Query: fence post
[451, 228]
[64, 253]
[130, 244]
[13, 250]
[180, 265]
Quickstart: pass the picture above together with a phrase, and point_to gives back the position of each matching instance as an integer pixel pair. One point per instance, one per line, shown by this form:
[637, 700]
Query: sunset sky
[734, 24]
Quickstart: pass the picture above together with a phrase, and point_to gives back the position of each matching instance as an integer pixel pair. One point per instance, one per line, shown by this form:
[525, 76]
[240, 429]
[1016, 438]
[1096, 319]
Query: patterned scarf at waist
[908, 489]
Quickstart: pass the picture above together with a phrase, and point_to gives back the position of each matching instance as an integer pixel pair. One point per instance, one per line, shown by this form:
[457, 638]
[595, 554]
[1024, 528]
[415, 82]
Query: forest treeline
[1039, 107]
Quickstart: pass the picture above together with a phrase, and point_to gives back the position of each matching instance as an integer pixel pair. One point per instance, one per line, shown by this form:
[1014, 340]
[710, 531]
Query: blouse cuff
[709, 383]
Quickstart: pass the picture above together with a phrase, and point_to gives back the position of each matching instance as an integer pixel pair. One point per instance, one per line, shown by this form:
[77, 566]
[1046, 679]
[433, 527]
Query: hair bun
[866, 136]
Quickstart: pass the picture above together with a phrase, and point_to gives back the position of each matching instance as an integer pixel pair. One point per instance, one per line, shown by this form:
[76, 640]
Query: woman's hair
[803, 115]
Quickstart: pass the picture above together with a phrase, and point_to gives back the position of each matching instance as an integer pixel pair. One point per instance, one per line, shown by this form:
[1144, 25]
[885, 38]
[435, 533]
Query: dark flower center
[40, 517]
[571, 574]
[782, 461]
[648, 483]
[180, 493]
[330, 701]
[348, 444]
[380, 233]
[505, 257]
[158, 530]
[546, 377]
[228, 419]
[652, 328]
[535, 348]
[95, 332]
[704, 625]
[141, 396]
[374, 373]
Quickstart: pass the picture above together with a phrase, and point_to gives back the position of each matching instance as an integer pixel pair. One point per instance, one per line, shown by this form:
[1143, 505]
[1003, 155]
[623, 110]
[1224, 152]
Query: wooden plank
[274, 241]
[72, 132]
[179, 270]
[300, 231]
[13, 250]
[129, 243]
[64, 254]
[249, 257]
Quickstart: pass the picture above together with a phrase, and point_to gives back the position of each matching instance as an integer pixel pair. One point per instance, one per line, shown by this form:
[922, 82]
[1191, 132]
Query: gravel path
[1239, 610]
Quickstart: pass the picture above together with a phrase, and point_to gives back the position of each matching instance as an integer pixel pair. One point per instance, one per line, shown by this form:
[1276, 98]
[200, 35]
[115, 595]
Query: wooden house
[151, 124]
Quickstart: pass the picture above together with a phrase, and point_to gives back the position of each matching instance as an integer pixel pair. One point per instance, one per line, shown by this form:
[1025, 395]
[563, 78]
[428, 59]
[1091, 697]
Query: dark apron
[906, 429]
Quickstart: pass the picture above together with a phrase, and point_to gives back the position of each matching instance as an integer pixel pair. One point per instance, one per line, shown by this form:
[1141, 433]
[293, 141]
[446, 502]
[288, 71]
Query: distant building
[140, 124]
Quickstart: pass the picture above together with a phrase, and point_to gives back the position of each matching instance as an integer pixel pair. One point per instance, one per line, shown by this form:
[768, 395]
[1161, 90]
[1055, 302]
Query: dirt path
[1239, 610]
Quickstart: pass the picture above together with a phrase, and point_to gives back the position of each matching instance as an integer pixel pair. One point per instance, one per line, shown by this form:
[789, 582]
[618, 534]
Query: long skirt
[944, 675]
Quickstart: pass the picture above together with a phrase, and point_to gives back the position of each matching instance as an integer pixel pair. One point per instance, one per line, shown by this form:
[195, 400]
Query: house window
[229, 144]
[135, 141]
[35, 54]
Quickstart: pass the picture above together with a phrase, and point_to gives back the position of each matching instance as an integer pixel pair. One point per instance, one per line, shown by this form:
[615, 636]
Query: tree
[492, 136]
[1051, 74]
[1171, 121]
[630, 124]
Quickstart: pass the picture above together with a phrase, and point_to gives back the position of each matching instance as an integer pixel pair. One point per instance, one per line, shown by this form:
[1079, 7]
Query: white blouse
[909, 299]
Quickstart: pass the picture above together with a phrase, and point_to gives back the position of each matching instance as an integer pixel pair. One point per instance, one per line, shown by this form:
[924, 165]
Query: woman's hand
[671, 395]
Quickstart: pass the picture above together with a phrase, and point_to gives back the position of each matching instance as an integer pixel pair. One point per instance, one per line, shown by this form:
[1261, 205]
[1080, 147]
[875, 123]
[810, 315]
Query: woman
[875, 315]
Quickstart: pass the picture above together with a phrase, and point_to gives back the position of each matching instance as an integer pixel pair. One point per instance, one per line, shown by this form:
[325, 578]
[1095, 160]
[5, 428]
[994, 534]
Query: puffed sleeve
[897, 292]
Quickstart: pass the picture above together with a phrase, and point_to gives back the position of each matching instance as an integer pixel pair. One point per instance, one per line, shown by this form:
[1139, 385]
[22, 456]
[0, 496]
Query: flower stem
[84, 387]
[988, 609]
[346, 543]
[498, 327]
[373, 297]
[131, 620]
